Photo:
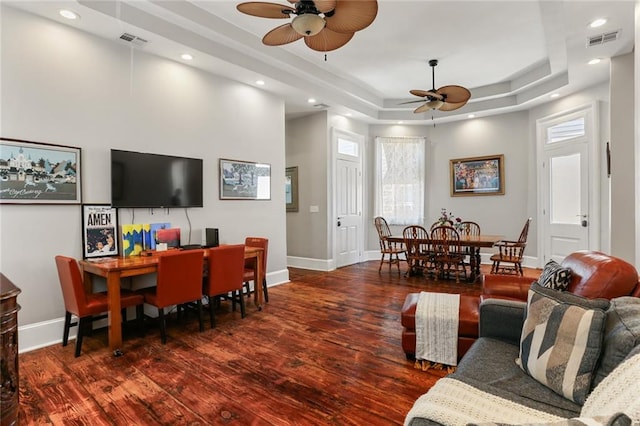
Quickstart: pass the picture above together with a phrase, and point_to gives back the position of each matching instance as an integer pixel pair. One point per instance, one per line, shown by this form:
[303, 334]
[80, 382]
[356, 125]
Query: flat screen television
[151, 180]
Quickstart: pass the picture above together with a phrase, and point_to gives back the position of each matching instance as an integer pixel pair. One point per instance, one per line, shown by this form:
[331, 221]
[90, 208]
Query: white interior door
[348, 199]
[569, 190]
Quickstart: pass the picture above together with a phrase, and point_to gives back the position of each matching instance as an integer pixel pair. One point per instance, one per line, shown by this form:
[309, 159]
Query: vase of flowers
[447, 218]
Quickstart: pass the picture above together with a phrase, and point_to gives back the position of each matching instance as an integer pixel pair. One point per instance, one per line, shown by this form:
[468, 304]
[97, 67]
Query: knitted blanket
[437, 327]
[452, 402]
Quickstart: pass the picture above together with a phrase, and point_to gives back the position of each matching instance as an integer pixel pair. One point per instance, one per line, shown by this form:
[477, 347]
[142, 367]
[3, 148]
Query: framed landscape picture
[243, 180]
[99, 230]
[39, 173]
[477, 175]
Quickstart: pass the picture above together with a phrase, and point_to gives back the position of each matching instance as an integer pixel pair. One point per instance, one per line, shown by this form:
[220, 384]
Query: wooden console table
[9, 377]
[114, 268]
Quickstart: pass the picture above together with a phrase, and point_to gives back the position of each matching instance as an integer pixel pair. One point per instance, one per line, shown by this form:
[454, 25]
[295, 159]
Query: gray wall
[512, 134]
[623, 242]
[63, 86]
[307, 148]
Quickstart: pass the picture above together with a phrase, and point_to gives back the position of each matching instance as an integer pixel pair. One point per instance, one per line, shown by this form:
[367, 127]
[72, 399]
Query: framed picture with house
[39, 173]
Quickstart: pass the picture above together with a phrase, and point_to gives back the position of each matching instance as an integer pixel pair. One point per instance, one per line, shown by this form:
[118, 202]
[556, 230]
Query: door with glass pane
[348, 199]
[567, 187]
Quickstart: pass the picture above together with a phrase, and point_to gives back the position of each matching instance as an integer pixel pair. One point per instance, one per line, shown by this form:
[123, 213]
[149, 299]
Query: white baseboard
[310, 263]
[47, 333]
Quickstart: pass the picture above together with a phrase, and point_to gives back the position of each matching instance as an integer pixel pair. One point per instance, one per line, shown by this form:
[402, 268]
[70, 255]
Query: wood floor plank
[325, 350]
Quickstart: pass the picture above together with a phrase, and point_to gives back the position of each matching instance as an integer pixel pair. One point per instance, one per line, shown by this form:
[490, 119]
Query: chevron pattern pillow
[555, 276]
[561, 340]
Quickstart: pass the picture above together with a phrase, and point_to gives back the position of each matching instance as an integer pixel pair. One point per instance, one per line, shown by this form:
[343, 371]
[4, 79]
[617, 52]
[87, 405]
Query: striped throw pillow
[561, 340]
[555, 276]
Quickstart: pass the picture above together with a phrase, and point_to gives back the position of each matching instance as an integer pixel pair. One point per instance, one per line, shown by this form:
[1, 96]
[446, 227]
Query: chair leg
[247, 289]
[163, 326]
[381, 262]
[199, 303]
[212, 317]
[67, 325]
[243, 312]
[265, 291]
[82, 323]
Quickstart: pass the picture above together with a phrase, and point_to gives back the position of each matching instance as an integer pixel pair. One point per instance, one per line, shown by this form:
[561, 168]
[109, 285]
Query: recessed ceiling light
[471, 116]
[594, 61]
[311, 100]
[598, 22]
[260, 82]
[186, 57]
[348, 114]
[400, 122]
[69, 14]
[555, 95]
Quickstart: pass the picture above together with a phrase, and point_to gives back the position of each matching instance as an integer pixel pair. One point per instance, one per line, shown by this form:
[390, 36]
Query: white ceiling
[511, 54]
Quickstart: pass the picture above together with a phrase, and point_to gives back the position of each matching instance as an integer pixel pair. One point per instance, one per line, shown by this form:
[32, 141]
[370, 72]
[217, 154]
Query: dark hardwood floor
[325, 350]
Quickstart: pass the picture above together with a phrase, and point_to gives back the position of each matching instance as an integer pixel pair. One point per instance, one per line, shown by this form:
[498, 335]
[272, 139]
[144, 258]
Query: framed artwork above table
[477, 175]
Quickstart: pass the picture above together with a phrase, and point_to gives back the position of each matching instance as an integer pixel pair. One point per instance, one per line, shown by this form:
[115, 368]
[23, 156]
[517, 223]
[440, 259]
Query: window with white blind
[400, 176]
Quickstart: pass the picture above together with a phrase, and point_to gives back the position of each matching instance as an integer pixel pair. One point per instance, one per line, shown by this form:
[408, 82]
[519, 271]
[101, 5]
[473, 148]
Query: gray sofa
[489, 367]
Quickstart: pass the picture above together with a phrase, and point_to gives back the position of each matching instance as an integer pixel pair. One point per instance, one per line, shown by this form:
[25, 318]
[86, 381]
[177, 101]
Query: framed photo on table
[99, 230]
[291, 188]
[39, 173]
[244, 180]
[477, 175]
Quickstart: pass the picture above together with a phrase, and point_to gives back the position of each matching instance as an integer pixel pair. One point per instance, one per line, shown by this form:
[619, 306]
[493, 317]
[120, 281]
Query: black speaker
[212, 237]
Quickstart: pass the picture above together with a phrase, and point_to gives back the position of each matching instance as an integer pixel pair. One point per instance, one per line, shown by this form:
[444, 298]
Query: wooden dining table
[115, 268]
[473, 244]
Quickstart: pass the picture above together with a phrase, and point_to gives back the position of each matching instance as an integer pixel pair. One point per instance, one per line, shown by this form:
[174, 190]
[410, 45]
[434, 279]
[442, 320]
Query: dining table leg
[115, 316]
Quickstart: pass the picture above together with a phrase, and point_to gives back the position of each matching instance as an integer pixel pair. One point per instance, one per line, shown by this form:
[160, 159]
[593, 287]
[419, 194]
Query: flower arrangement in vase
[448, 218]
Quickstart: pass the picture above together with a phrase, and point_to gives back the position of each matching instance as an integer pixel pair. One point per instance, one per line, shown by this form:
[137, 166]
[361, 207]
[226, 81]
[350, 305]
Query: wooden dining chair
[387, 248]
[249, 266]
[419, 250]
[87, 307]
[178, 282]
[448, 255]
[508, 259]
[468, 228]
[226, 277]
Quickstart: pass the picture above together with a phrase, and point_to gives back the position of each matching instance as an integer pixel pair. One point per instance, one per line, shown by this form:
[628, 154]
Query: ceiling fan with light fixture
[446, 98]
[325, 24]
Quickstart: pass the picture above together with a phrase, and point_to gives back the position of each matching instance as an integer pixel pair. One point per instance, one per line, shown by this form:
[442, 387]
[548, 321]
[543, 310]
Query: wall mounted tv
[152, 180]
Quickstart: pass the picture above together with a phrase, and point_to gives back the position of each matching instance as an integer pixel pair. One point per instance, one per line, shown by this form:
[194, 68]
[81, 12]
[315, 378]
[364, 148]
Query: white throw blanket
[451, 402]
[437, 327]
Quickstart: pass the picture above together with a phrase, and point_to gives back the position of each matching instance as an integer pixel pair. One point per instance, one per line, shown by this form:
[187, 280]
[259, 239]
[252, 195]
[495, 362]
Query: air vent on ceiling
[321, 106]
[603, 38]
[133, 39]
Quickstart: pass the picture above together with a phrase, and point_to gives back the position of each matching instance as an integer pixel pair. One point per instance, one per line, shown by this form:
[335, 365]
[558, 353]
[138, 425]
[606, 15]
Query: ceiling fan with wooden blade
[446, 98]
[325, 25]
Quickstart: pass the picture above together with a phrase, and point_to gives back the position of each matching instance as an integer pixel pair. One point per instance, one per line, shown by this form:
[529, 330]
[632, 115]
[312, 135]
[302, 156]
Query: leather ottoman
[467, 324]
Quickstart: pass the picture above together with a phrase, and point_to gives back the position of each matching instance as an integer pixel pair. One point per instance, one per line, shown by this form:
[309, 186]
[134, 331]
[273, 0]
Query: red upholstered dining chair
[225, 278]
[87, 307]
[178, 282]
[249, 265]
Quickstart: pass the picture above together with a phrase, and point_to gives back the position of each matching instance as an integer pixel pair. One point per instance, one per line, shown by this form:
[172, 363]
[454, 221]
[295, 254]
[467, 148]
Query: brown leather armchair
[593, 275]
